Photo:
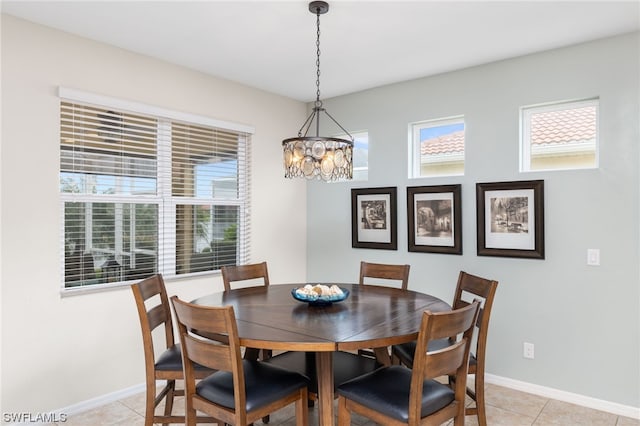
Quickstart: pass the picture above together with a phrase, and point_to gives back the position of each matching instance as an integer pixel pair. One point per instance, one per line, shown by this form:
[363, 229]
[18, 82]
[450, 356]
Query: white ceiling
[271, 44]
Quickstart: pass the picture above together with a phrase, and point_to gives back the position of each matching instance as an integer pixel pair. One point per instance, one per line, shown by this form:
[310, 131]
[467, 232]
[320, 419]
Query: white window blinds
[142, 193]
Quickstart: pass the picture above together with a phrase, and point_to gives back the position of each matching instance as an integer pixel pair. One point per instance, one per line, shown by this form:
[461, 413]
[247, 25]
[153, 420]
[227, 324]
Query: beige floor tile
[283, 416]
[515, 401]
[288, 422]
[626, 421]
[563, 413]
[136, 402]
[505, 407]
[500, 417]
[114, 414]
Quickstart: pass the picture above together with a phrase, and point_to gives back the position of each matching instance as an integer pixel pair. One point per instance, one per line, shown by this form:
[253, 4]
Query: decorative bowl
[314, 300]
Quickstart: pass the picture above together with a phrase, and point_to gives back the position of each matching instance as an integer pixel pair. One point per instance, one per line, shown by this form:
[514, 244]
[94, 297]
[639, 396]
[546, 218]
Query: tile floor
[504, 407]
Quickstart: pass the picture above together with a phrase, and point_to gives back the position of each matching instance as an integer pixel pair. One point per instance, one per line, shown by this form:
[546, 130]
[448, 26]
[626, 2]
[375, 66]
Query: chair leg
[191, 416]
[458, 420]
[168, 400]
[150, 406]
[344, 415]
[266, 354]
[480, 406]
[302, 411]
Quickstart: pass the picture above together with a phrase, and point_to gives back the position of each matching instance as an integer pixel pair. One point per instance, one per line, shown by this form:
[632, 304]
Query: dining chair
[154, 311]
[395, 395]
[469, 286]
[377, 273]
[382, 271]
[241, 391]
[255, 274]
[235, 273]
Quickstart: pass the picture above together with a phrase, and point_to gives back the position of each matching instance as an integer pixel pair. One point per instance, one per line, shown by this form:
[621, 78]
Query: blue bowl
[320, 300]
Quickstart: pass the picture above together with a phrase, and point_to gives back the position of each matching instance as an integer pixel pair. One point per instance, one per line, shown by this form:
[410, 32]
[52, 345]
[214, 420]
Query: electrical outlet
[593, 257]
[527, 350]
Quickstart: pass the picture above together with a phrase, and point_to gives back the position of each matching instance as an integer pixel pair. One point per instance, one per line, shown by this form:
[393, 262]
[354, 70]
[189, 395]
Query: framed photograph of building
[373, 218]
[510, 219]
[434, 219]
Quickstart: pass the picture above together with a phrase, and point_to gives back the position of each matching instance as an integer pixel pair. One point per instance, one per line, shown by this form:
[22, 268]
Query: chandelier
[319, 157]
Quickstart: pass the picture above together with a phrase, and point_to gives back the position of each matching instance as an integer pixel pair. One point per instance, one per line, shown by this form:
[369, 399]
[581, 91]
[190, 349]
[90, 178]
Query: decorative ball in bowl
[320, 294]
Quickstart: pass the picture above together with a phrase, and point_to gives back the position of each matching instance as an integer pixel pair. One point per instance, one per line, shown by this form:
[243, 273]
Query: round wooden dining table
[268, 317]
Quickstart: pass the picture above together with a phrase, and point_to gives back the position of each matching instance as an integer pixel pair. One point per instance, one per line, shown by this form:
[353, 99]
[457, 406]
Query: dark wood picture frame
[434, 219]
[374, 218]
[510, 219]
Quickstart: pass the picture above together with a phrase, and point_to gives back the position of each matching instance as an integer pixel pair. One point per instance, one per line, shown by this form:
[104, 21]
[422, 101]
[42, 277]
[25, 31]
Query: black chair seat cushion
[386, 390]
[407, 351]
[171, 360]
[264, 384]
[346, 366]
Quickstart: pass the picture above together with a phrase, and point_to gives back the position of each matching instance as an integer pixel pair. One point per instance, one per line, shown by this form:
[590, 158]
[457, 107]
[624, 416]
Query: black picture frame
[374, 218]
[434, 219]
[510, 219]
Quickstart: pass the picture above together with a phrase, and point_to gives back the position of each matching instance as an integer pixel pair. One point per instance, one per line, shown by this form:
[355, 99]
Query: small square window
[437, 147]
[559, 136]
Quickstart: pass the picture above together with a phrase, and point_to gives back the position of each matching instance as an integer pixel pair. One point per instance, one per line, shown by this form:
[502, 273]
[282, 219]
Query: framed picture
[510, 219]
[434, 219]
[373, 218]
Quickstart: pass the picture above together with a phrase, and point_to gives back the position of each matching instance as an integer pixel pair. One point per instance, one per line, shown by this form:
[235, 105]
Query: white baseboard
[99, 401]
[573, 398]
[61, 414]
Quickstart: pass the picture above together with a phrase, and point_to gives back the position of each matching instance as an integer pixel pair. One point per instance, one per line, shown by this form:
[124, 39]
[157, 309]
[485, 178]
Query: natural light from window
[142, 194]
[559, 136]
[437, 147]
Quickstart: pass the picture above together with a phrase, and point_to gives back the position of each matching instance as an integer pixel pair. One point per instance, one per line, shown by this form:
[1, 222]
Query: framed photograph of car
[434, 219]
[373, 218]
[510, 219]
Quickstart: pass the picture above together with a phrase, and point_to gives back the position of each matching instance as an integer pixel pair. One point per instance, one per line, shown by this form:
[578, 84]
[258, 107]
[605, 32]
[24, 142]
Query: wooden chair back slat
[157, 316]
[473, 284]
[444, 361]
[462, 303]
[441, 329]
[150, 287]
[217, 357]
[385, 272]
[235, 273]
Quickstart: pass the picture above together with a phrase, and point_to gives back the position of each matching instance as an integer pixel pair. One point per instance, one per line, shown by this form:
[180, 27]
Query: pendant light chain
[318, 102]
[318, 157]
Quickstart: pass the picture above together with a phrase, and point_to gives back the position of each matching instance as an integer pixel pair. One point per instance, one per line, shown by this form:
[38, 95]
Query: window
[437, 147]
[360, 154]
[559, 136]
[142, 193]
